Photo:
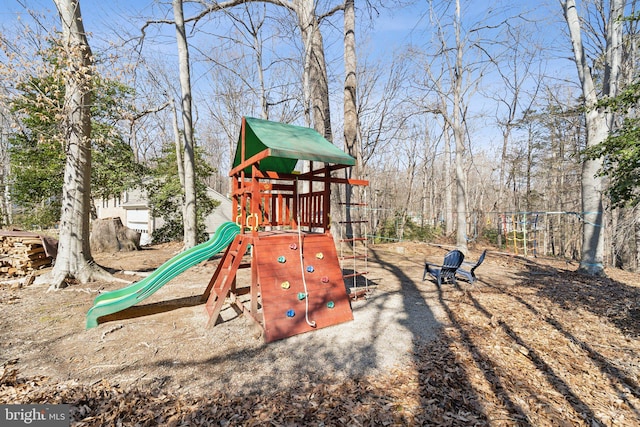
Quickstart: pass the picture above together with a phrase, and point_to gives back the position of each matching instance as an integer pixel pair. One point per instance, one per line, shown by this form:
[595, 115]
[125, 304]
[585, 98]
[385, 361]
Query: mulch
[434, 390]
[535, 345]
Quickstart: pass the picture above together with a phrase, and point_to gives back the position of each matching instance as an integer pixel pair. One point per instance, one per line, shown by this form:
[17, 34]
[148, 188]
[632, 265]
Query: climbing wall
[284, 304]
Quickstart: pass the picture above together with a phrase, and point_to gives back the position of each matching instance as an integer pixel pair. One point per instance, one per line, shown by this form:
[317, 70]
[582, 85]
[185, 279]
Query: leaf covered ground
[533, 343]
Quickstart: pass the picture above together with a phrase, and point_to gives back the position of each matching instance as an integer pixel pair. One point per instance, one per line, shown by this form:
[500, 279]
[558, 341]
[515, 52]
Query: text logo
[34, 415]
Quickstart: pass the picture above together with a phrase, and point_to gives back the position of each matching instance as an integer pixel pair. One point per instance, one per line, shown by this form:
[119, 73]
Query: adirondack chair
[471, 275]
[447, 271]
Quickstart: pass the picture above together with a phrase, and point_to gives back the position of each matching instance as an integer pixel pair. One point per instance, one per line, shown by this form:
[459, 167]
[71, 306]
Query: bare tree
[350, 83]
[512, 102]
[351, 128]
[74, 253]
[5, 195]
[315, 80]
[177, 141]
[599, 123]
[447, 181]
[452, 107]
[189, 216]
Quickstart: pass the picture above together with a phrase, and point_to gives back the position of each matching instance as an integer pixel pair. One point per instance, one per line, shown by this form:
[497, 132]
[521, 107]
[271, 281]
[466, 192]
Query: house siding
[133, 210]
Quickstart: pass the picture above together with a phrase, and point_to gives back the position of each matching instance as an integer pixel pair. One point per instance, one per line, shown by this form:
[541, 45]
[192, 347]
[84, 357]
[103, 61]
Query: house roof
[280, 146]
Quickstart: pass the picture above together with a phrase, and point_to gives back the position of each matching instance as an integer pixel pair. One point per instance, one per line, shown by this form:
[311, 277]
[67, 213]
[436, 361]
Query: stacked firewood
[20, 255]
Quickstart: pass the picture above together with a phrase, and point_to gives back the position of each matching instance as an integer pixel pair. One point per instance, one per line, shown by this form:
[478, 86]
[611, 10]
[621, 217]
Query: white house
[132, 208]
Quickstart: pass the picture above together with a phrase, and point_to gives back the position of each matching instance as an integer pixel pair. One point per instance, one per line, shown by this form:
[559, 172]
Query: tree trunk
[636, 236]
[74, 254]
[591, 261]
[350, 83]
[315, 67]
[189, 217]
[501, 206]
[257, 46]
[598, 123]
[351, 140]
[177, 138]
[448, 187]
[458, 135]
[5, 195]
[110, 235]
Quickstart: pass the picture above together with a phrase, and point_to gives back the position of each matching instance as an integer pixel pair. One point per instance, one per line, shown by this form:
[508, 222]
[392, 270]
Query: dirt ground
[531, 343]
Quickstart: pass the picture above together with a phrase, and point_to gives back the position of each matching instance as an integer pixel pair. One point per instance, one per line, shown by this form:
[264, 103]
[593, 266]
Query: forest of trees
[478, 117]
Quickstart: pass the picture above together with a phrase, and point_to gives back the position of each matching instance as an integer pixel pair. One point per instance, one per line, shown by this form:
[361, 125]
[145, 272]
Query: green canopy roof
[286, 144]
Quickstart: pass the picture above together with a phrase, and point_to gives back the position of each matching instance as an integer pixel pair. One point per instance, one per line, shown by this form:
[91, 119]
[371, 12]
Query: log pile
[20, 255]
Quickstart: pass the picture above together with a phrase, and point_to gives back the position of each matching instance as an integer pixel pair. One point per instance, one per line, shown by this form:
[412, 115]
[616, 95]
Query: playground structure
[541, 233]
[297, 283]
[521, 232]
[282, 222]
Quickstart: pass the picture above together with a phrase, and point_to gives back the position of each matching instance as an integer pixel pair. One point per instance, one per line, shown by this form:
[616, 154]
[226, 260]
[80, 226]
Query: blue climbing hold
[310, 269]
[291, 313]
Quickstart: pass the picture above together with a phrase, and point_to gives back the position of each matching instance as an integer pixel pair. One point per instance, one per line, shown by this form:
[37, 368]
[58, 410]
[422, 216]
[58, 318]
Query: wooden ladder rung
[354, 239]
[358, 291]
[346, 276]
[345, 257]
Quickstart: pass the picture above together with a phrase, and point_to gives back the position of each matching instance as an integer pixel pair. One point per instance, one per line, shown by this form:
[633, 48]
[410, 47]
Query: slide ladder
[223, 282]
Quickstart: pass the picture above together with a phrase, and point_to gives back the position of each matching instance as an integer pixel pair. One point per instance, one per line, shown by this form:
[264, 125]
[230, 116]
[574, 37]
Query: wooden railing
[276, 209]
[276, 203]
[311, 210]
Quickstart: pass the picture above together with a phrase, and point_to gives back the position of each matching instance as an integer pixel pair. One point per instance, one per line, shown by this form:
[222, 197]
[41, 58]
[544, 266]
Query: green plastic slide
[114, 301]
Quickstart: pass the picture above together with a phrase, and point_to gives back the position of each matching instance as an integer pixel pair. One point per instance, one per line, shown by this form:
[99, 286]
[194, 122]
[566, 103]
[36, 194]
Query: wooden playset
[297, 283]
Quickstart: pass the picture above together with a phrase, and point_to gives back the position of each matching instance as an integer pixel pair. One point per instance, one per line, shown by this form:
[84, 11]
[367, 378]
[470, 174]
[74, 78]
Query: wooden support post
[326, 208]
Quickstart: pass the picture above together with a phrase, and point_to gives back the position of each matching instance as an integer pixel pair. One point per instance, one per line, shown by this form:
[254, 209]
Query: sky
[389, 29]
[387, 33]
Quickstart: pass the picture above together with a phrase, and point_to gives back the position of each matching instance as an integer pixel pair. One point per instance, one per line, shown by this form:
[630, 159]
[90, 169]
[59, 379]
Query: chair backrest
[452, 260]
[479, 260]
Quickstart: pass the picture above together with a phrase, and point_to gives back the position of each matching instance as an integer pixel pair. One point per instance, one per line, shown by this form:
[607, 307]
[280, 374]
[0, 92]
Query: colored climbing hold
[331, 304]
[325, 279]
[310, 269]
[319, 255]
[291, 313]
[301, 296]
[293, 246]
[282, 259]
[285, 284]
